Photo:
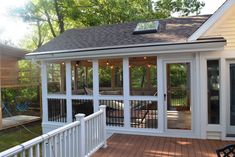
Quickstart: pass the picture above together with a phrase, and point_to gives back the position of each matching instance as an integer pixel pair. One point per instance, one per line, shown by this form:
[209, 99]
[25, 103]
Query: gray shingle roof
[171, 30]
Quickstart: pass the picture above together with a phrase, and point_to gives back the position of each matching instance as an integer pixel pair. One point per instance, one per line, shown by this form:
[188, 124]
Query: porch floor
[121, 145]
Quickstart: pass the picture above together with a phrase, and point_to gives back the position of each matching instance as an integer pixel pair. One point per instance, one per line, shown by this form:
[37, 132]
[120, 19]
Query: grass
[179, 102]
[16, 136]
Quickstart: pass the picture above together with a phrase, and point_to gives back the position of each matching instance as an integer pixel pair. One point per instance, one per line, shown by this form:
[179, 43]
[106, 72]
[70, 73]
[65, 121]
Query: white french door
[177, 95]
[231, 97]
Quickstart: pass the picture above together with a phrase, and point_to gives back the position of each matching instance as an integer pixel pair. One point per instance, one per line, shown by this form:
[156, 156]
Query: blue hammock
[22, 106]
[5, 108]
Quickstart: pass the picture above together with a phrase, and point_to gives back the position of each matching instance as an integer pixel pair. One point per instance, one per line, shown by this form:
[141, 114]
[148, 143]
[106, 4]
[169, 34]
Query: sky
[14, 29]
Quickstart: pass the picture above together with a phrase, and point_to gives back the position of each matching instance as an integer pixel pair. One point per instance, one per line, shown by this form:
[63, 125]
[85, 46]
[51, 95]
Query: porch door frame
[229, 129]
[192, 88]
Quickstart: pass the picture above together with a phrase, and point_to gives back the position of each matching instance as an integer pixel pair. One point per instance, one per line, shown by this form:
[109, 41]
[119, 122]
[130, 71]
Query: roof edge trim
[204, 45]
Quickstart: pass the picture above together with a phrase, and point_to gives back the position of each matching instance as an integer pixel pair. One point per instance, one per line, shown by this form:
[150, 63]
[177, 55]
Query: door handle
[165, 97]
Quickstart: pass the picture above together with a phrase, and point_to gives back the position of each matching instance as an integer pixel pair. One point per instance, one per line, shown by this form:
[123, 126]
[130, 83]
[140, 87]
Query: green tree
[166, 8]
[52, 17]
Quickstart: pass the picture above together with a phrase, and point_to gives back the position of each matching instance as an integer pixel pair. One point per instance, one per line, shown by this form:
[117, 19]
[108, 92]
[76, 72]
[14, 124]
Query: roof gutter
[130, 50]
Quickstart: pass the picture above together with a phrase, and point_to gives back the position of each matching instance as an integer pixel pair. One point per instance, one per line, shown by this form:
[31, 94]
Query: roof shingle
[171, 30]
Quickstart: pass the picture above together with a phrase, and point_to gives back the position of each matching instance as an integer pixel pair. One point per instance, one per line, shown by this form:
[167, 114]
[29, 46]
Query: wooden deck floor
[120, 145]
[14, 121]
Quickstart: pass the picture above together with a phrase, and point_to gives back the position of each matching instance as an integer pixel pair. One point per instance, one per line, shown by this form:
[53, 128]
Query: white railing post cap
[102, 107]
[79, 116]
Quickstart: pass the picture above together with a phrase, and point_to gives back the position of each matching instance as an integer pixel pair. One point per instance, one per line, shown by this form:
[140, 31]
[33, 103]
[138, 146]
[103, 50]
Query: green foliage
[28, 88]
[183, 7]
[21, 94]
[115, 11]
[29, 73]
[83, 78]
[105, 76]
[178, 75]
[139, 76]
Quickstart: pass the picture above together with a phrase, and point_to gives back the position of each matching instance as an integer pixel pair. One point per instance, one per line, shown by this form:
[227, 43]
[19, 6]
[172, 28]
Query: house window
[56, 80]
[143, 76]
[82, 77]
[110, 77]
[213, 76]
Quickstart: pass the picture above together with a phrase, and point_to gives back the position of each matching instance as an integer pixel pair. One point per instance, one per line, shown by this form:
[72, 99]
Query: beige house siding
[224, 27]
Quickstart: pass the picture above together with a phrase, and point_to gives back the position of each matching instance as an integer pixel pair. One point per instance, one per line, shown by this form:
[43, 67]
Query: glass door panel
[178, 93]
[231, 127]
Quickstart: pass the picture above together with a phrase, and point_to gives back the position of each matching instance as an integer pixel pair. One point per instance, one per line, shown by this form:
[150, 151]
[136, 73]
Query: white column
[126, 92]
[68, 91]
[223, 91]
[199, 100]
[160, 91]
[44, 92]
[95, 65]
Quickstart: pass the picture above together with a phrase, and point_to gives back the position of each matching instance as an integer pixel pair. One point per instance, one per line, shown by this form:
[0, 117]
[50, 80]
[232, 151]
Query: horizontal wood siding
[225, 27]
[9, 70]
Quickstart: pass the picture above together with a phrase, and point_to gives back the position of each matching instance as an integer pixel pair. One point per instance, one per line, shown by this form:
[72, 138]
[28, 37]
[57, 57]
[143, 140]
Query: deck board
[13, 121]
[123, 145]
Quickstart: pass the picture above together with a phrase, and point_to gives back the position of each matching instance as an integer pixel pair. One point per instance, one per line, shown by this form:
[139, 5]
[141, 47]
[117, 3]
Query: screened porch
[127, 86]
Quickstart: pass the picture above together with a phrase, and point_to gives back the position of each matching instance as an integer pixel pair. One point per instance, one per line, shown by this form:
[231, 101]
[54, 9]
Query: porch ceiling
[214, 44]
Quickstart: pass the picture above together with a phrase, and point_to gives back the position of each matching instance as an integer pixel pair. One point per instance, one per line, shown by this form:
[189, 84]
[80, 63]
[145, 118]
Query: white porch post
[223, 91]
[68, 91]
[44, 92]
[126, 92]
[95, 65]
[199, 109]
[160, 91]
[82, 142]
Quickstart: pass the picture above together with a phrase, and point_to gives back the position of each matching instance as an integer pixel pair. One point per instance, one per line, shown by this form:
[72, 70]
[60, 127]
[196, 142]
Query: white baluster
[65, 142]
[37, 150]
[44, 149]
[50, 145]
[77, 140]
[23, 153]
[56, 145]
[31, 152]
[69, 143]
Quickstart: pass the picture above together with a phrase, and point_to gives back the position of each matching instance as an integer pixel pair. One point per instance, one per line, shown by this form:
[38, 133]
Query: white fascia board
[211, 21]
[133, 51]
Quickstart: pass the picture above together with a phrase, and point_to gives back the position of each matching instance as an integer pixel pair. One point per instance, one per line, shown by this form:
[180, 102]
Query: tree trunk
[59, 16]
[40, 40]
[50, 24]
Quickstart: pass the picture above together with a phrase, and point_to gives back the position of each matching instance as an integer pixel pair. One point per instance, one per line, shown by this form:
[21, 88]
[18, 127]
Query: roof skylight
[146, 27]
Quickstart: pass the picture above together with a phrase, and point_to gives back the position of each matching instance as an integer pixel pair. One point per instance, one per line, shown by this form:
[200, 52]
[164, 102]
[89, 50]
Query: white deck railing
[78, 139]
